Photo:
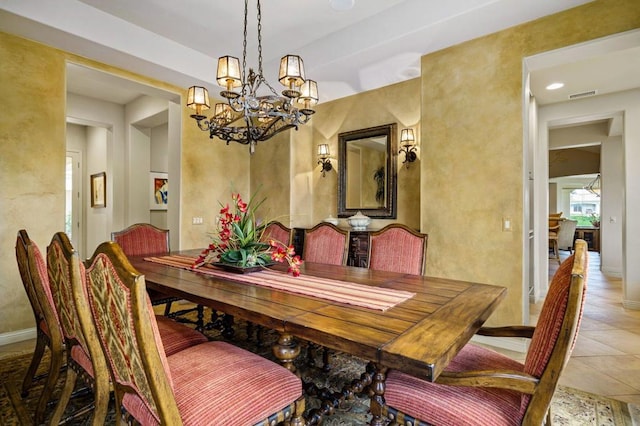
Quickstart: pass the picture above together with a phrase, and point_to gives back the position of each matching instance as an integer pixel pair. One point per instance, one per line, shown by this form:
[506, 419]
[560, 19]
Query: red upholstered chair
[483, 387]
[144, 239]
[325, 243]
[33, 271]
[397, 248]
[277, 231]
[213, 383]
[84, 355]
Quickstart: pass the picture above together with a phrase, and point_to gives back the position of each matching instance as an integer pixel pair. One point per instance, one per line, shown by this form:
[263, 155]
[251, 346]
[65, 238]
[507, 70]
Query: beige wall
[32, 134]
[472, 157]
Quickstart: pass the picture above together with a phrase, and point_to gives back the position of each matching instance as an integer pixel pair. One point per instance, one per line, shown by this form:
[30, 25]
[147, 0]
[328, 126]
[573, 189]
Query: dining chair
[398, 248]
[277, 231]
[33, 272]
[481, 386]
[84, 354]
[212, 383]
[325, 243]
[145, 239]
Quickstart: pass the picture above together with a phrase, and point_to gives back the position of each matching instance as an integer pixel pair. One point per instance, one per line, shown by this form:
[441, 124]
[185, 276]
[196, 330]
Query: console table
[591, 235]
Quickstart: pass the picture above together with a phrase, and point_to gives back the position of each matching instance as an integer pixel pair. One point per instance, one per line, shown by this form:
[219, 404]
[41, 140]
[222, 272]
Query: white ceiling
[376, 43]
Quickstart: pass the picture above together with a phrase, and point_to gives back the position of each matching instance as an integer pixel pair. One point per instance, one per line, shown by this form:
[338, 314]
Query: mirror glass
[367, 172]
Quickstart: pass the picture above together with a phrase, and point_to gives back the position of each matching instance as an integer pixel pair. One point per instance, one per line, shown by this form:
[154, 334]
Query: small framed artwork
[158, 191]
[99, 190]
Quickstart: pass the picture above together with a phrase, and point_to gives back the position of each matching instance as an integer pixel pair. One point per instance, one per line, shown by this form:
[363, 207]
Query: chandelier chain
[259, 39]
[244, 43]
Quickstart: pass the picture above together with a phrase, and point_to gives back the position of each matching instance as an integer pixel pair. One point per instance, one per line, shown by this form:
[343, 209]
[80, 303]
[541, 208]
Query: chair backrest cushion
[59, 271]
[552, 317]
[325, 243]
[142, 239]
[397, 249]
[33, 271]
[278, 232]
[118, 301]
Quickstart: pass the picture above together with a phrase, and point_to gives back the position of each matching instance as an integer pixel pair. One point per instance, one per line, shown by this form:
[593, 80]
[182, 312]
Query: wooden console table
[591, 235]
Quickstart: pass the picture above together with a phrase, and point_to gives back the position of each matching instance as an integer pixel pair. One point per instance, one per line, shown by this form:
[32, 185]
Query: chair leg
[101, 396]
[296, 418]
[55, 365]
[167, 308]
[33, 366]
[69, 383]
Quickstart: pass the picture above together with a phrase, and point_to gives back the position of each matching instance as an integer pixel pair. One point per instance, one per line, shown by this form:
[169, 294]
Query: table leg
[377, 397]
[286, 350]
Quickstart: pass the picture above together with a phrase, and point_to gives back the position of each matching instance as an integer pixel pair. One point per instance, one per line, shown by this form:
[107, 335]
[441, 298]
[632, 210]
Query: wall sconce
[323, 154]
[408, 143]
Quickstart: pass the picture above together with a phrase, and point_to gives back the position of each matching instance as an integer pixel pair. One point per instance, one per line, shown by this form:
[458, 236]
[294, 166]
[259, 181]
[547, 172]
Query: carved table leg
[286, 350]
[377, 397]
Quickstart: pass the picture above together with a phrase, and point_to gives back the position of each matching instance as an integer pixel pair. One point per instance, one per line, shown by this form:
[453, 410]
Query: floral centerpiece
[239, 241]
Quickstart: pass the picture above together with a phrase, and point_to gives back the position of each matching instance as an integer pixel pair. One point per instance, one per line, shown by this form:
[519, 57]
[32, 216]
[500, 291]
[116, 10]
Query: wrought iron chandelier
[248, 117]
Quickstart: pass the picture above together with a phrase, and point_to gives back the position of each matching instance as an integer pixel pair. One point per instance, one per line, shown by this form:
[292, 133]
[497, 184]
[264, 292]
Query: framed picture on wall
[158, 191]
[99, 190]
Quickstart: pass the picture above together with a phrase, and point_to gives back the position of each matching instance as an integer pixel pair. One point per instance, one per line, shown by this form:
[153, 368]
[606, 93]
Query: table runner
[324, 288]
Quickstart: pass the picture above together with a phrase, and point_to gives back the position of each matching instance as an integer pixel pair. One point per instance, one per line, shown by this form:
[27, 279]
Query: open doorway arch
[623, 104]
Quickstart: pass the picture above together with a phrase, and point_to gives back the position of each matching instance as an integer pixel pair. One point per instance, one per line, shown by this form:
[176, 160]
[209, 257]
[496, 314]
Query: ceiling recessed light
[342, 4]
[555, 86]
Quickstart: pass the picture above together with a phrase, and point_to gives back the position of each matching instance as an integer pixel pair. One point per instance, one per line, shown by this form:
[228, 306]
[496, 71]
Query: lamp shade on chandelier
[249, 117]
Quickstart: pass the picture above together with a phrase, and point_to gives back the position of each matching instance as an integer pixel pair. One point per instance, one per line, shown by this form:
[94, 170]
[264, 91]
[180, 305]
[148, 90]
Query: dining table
[412, 323]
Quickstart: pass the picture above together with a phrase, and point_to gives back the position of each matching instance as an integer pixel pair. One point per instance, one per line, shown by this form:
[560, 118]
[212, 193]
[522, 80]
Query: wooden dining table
[418, 335]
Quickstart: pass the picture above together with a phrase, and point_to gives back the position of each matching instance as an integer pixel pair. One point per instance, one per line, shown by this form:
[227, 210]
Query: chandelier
[594, 186]
[248, 117]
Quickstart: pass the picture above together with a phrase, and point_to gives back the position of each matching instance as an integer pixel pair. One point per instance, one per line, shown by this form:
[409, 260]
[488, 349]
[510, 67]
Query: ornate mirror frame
[389, 209]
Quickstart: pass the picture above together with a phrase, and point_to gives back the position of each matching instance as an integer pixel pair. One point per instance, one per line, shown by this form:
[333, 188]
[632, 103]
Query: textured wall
[398, 103]
[472, 156]
[32, 139]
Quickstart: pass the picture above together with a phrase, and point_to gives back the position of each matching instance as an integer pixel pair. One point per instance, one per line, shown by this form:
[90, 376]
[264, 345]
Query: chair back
[556, 332]
[277, 231]
[128, 333]
[397, 248]
[142, 239]
[325, 243]
[33, 272]
[67, 275]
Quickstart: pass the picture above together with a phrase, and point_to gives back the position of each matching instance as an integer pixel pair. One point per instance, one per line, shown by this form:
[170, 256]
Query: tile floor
[606, 359]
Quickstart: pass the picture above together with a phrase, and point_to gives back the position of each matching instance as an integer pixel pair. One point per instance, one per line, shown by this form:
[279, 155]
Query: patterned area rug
[570, 407]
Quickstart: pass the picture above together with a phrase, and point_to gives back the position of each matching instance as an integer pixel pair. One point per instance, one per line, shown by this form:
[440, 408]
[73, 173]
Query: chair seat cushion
[216, 383]
[177, 337]
[456, 405]
[82, 359]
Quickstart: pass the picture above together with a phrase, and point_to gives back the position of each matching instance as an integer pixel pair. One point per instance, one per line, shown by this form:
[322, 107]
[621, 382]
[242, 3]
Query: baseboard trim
[515, 344]
[17, 336]
[615, 273]
[631, 304]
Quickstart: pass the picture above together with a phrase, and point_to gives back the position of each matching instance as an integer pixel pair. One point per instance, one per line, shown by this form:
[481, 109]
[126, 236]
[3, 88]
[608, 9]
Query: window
[585, 206]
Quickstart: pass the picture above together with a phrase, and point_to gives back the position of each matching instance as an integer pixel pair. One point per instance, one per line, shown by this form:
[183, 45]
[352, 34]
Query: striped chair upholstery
[213, 383]
[325, 243]
[277, 231]
[33, 272]
[144, 239]
[504, 392]
[396, 248]
[84, 354]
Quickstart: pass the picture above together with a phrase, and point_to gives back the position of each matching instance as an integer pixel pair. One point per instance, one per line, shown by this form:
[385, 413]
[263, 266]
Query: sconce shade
[198, 99]
[407, 137]
[291, 74]
[228, 75]
[323, 150]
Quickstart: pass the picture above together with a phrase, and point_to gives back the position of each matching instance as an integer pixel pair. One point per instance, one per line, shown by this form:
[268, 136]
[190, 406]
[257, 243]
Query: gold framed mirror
[367, 172]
